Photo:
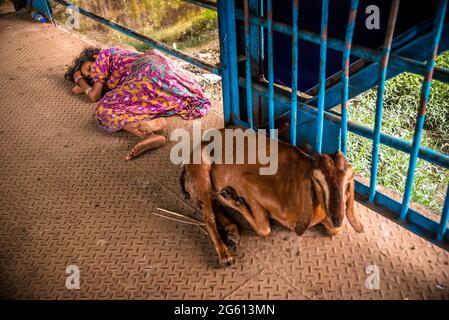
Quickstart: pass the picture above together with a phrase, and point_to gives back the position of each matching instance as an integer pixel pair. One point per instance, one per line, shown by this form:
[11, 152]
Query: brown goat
[304, 191]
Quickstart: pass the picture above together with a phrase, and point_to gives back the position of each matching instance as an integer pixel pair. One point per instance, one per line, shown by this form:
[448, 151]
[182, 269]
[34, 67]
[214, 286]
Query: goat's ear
[350, 214]
[307, 199]
[320, 187]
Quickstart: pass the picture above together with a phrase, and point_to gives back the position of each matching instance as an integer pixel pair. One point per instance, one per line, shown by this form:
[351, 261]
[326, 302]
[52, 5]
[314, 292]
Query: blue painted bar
[270, 64]
[294, 98]
[322, 92]
[425, 93]
[151, 42]
[442, 228]
[249, 92]
[262, 47]
[233, 59]
[224, 60]
[345, 74]
[412, 65]
[42, 6]
[283, 103]
[255, 38]
[380, 96]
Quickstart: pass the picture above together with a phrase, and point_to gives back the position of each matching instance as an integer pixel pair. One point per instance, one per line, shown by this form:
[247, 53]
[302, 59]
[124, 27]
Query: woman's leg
[148, 142]
[134, 129]
[153, 125]
[145, 127]
[107, 114]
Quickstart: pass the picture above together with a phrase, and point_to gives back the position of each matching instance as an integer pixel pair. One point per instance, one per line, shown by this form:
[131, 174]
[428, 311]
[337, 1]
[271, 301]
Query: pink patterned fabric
[144, 86]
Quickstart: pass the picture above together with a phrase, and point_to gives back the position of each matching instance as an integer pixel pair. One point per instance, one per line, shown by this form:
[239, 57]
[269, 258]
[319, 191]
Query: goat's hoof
[232, 235]
[232, 238]
[227, 260]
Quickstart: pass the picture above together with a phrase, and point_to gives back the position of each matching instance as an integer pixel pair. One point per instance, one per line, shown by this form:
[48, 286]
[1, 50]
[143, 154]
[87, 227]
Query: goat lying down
[304, 192]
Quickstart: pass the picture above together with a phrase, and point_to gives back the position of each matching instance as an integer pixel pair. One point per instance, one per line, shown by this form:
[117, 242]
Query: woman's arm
[94, 93]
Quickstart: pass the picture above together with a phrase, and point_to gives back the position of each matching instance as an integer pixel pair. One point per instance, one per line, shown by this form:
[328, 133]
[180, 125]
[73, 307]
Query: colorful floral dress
[144, 86]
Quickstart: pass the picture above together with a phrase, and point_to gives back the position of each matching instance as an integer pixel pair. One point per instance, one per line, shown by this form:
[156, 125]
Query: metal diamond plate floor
[67, 197]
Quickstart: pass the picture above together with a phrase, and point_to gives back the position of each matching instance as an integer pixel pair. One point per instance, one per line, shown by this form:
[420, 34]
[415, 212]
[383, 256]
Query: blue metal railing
[283, 103]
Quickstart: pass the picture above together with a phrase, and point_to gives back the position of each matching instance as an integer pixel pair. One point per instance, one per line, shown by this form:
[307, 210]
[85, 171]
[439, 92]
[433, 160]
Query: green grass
[193, 30]
[399, 117]
[187, 28]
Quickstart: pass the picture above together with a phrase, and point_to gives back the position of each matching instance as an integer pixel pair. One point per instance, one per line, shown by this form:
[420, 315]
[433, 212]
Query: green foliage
[192, 30]
[165, 21]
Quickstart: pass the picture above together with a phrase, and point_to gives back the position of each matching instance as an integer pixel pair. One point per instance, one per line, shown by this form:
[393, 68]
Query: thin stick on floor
[190, 221]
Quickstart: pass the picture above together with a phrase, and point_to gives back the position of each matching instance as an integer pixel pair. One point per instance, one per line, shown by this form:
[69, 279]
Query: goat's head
[333, 183]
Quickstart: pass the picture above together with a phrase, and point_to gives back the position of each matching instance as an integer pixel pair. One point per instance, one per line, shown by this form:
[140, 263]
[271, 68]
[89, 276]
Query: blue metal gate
[252, 92]
[254, 38]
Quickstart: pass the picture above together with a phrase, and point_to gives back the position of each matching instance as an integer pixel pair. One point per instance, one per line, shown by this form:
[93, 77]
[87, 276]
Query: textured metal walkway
[67, 197]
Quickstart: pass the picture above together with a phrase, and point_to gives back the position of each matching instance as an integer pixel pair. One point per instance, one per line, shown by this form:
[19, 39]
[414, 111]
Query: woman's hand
[95, 92]
[77, 90]
[77, 74]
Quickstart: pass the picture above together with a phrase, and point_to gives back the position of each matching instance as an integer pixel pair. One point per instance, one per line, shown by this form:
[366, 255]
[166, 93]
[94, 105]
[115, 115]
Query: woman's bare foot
[134, 129]
[143, 128]
[152, 141]
[150, 126]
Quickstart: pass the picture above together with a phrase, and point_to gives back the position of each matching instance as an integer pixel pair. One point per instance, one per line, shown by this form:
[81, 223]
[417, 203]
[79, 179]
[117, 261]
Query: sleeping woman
[140, 90]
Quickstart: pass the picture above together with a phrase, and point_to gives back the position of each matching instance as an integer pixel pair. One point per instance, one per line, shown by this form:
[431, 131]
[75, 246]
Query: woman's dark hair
[86, 55]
